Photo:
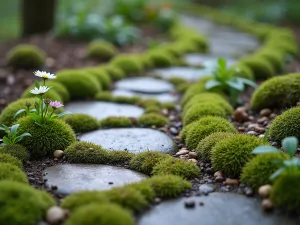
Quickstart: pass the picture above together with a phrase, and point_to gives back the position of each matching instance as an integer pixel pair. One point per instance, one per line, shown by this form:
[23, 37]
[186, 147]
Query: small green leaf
[276, 173]
[6, 140]
[290, 145]
[14, 129]
[236, 85]
[19, 112]
[247, 81]
[2, 128]
[63, 114]
[265, 149]
[266, 136]
[20, 138]
[211, 84]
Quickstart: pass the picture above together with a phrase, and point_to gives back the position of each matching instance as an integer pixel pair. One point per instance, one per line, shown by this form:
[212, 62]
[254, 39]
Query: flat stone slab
[166, 97]
[70, 178]
[144, 85]
[131, 139]
[102, 110]
[195, 59]
[218, 209]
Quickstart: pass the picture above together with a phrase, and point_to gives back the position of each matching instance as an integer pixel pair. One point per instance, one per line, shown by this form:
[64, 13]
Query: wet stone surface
[131, 139]
[102, 110]
[214, 209]
[70, 178]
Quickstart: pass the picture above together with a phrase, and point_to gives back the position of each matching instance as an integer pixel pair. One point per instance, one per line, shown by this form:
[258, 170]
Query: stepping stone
[218, 208]
[195, 59]
[187, 73]
[70, 178]
[144, 85]
[102, 110]
[131, 139]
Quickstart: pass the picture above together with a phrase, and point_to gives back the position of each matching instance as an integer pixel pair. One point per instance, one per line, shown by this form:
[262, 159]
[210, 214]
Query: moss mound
[79, 84]
[12, 172]
[168, 186]
[204, 148]
[287, 199]
[114, 121]
[7, 158]
[117, 157]
[45, 139]
[161, 58]
[85, 152]
[20, 203]
[126, 100]
[145, 161]
[278, 92]
[204, 127]
[101, 50]
[178, 167]
[105, 96]
[145, 189]
[168, 105]
[286, 125]
[81, 123]
[17, 151]
[114, 72]
[231, 154]
[26, 56]
[101, 75]
[261, 67]
[243, 71]
[258, 170]
[152, 109]
[152, 119]
[275, 57]
[129, 64]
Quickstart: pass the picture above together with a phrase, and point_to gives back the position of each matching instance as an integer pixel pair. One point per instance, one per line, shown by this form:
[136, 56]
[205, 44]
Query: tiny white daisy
[44, 75]
[40, 90]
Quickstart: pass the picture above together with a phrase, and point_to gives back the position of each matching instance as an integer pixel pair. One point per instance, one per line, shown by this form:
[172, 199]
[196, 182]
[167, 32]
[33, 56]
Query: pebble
[55, 215]
[182, 152]
[230, 181]
[273, 115]
[157, 200]
[248, 192]
[189, 204]
[206, 188]
[261, 136]
[58, 154]
[219, 179]
[264, 191]
[274, 143]
[252, 126]
[265, 112]
[253, 133]
[209, 171]
[193, 155]
[218, 174]
[193, 161]
[241, 129]
[267, 205]
[262, 120]
[260, 130]
[201, 203]
[173, 131]
[240, 115]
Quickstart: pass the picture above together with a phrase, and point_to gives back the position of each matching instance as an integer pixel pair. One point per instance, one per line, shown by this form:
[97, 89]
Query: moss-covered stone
[17, 151]
[114, 121]
[7, 158]
[152, 119]
[81, 123]
[119, 157]
[12, 172]
[101, 50]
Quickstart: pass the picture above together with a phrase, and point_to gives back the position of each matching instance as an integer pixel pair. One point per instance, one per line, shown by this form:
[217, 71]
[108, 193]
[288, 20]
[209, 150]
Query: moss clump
[100, 214]
[51, 94]
[21, 203]
[204, 148]
[128, 64]
[275, 57]
[101, 75]
[85, 152]
[114, 72]
[261, 68]
[201, 110]
[101, 50]
[179, 167]
[177, 80]
[149, 102]
[26, 56]
[244, 71]
[161, 58]
[79, 84]
[81, 123]
[7, 115]
[17, 151]
[12, 172]
[184, 131]
[104, 96]
[278, 92]
[204, 127]
[126, 100]
[152, 119]
[168, 186]
[286, 125]
[168, 105]
[45, 139]
[145, 161]
[117, 157]
[286, 193]
[114, 121]
[145, 189]
[259, 169]
[152, 109]
[7, 158]
[231, 154]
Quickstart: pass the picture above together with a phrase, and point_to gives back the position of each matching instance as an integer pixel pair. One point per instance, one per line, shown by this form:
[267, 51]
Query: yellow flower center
[44, 76]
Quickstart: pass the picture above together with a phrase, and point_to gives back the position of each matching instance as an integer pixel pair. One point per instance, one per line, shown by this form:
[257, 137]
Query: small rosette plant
[12, 135]
[290, 145]
[44, 109]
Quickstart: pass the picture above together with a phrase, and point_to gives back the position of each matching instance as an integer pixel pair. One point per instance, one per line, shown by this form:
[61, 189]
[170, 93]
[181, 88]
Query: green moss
[47, 199]
[20, 203]
[104, 96]
[261, 67]
[145, 161]
[259, 169]
[185, 129]
[100, 214]
[286, 193]
[204, 148]
[26, 56]
[117, 157]
[243, 71]
[204, 127]
[275, 57]
[178, 167]
[101, 50]
[201, 110]
[7, 114]
[101, 75]
[152, 109]
[152, 119]
[85, 152]
[79, 84]
[114, 121]
[231, 154]
[278, 92]
[161, 58]
[115, 73]
[12, 172]
[126, 100]
[286, 125]
[182, 88]
[45, 139]
[168, 105]
[149, 102]
[168, 186]
[129, 64]
[81, 123]
[7, 158]
[145, 189]
[18, 151]
[177, 80]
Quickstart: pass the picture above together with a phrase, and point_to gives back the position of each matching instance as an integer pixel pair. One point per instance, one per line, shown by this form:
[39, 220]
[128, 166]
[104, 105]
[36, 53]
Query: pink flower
[56, 104]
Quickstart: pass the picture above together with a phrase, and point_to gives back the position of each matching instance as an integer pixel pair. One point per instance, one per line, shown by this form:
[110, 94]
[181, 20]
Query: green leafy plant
[12, 135]
[290, 145]
[226, 79]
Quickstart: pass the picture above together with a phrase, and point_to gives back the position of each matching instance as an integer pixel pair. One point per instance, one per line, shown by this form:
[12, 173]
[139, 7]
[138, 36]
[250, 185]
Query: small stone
[189, 204]
[157, 200]
[182, 152]
[265, 112]
[206, 188]
[55, 215]
[173, 131]
[241, 129]
[232, 182]
[110, 183]
[262, 120]
[201, 203]
[248, 191]
[240, 115]
[267, 205]
[274, 144]
[219, 179]
[58, 154]
[209, 171]
[193, 155]
[261, 136]
[252, 126]
[251, 118]
[218, 174]
[260, 130]
[253, 133]
[264, 191]
[273, 115]
[193, 161]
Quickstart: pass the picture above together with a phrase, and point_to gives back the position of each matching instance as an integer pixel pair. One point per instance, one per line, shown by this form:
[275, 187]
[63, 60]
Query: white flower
[44, 75]
[40, 90]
